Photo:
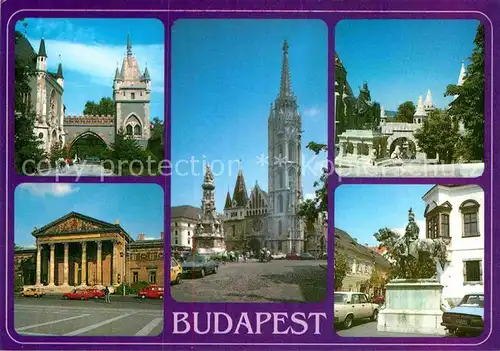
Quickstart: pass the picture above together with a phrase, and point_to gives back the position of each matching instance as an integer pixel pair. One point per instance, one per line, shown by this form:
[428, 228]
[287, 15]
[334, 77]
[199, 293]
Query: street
[253, 281]
[124, 316]
[367, 328]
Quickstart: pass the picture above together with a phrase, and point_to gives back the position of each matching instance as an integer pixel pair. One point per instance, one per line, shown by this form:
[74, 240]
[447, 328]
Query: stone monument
[413, 305]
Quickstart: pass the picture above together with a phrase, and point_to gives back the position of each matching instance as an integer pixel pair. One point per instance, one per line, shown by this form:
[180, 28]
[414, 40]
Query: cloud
[312, 111]
[151, 238]
[56, 189]
[99, 61]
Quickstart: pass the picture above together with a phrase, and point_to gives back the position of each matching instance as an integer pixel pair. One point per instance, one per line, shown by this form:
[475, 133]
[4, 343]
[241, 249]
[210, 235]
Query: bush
[132, 289]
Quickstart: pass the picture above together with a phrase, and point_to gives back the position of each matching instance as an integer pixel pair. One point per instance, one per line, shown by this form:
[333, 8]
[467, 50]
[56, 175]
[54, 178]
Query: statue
[410, 246]
[396, 154]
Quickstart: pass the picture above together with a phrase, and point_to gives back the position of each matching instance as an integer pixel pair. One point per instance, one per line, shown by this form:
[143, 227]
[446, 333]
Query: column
[66, 265]
[52, 264]
[342, 150]
[39, 264]
[99, 263]
[355, 148]
[75, 267]
[84, 263]
[114, 264]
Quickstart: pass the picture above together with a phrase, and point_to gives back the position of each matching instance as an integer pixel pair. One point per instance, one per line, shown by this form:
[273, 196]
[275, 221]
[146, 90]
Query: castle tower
[285, 233]
[41, 90]
[209, 233]
[428, 104]
[132, 95]
[41, 58]
[420, 114]
[383, 116]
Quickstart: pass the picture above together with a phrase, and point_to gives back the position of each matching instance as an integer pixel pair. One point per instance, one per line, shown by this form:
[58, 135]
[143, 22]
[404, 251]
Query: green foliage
[105, 107]
[438, 135]
[27, 146]
[131, 289]
[126, 150]
[56, 152]
[341, 266]
[405, 112]
[468, 107]
[156, 141]
[405, 267]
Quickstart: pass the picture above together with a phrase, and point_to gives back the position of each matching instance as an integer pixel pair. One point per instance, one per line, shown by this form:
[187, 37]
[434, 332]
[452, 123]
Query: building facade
[182, 226]
[78, 250]
[455, 213]
[362, 263]
[131, 96]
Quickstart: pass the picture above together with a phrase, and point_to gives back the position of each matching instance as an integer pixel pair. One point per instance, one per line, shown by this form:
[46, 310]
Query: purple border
[290, 9]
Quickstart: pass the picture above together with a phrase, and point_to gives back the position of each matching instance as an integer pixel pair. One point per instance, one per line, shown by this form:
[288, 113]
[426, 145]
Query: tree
[341, 265]
[27, 145]
[405, 267]
[377, 280]
[405, 112]
[125, 149]
[438, 135]
[468, 106]
[156, 141]
[105, 107]
[56, 152]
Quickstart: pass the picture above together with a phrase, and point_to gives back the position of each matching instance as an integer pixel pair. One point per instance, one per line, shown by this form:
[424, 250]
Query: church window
[132, 96]
[282, 178]
[129, 130]
[137, 130]
[280, 203]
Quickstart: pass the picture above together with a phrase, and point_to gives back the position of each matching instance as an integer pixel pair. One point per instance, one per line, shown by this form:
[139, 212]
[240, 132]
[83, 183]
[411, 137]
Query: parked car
[379, 300]
[199, 265]
[306, 256]
[467, 317]
[351, 306]
[33, 292]
[175, 271]
[78, 294]
[278, 256]
[152, 291]
[292, 256]
[96, 293]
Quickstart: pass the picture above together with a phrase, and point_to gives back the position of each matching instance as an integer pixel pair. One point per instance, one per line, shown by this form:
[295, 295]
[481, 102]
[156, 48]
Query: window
[132, 96]
[470, 210]
[189, 241]
[473, 271]
[363, 299]
[129, 130]
[141, 93]
[438, 225]
[291, 149]
[135, 277]
[123, 94]
[355, 298]
[173, 263]
[137, 130]
[189, 233]
[176, 233]
[176, 241]
[152, 277]
[445, 225]
[280, 203]
[282, 178]
[279, 227]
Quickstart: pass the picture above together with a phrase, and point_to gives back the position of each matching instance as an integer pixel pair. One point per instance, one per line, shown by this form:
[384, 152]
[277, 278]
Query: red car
[292, 256]
[151, 292]
[96, 293]
[78, 294]
[379, 299]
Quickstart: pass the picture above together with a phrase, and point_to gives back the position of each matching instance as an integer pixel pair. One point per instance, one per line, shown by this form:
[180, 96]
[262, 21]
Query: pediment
[74, 223]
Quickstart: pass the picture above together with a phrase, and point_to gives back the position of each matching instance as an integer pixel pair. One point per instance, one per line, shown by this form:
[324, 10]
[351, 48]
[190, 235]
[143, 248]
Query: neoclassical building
[131, 90]
[78, 250]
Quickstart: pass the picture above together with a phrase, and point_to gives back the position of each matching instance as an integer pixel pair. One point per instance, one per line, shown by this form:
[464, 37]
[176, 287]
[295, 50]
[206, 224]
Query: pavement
[366, 328]
[124, 316]
[253, 281]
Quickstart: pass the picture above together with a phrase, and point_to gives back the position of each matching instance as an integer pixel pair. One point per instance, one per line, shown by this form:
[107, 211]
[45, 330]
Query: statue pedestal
[413, 307]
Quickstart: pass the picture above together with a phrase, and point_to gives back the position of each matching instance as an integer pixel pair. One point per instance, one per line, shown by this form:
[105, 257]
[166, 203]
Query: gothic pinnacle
[286, 83]
[129, 46]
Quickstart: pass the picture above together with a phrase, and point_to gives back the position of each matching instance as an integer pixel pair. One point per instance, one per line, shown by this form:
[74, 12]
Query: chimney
[162, 234]
[141, 236]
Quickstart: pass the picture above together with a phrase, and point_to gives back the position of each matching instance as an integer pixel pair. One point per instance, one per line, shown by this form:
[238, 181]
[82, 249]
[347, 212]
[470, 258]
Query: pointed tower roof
[117, 74]
[129, 46]
[60, 71]
[41, 50]
[286, 81]
[208, 180]
[146, 74]
[382, 111]
[420, 108]
[428, 99]
[240, 196]
[228, 201]
[461, 76]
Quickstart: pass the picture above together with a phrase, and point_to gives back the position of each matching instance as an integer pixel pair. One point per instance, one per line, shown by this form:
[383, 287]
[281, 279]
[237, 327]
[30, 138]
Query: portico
[78, 250]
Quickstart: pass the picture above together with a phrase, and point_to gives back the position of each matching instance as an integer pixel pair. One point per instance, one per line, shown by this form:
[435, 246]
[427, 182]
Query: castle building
[131, 96]
[270, 219]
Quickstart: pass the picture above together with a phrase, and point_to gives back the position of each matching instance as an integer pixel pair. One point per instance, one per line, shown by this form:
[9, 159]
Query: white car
[278, 256]
[350, 306]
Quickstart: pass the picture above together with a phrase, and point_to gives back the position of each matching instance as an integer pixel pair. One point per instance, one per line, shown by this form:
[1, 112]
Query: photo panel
[89, 97]
[413, 266]
[409, 98]
[249, 155]
[89, 261]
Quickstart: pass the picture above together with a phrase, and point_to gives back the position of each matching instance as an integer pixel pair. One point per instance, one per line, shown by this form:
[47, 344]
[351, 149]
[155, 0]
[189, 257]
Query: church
[257, 219]
[131, 89]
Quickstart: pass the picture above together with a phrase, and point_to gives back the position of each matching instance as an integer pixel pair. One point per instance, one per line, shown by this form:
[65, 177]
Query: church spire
[41, 49]
[129, 46]
[240, 195]
[420, 108]
[428, 99]
[286, 81]
[228, 201]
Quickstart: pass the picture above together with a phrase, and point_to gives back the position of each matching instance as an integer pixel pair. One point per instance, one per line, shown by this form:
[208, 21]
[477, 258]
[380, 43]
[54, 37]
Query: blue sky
[225, 75]
[401, 59]
[138, 207]
[361, 210]
[90, 50]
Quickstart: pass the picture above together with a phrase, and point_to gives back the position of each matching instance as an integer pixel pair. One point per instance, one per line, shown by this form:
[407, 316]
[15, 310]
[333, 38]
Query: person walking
[106, 295]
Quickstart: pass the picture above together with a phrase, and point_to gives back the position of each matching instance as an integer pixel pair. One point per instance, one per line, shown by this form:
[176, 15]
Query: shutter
[465, 271]
[480, 271]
